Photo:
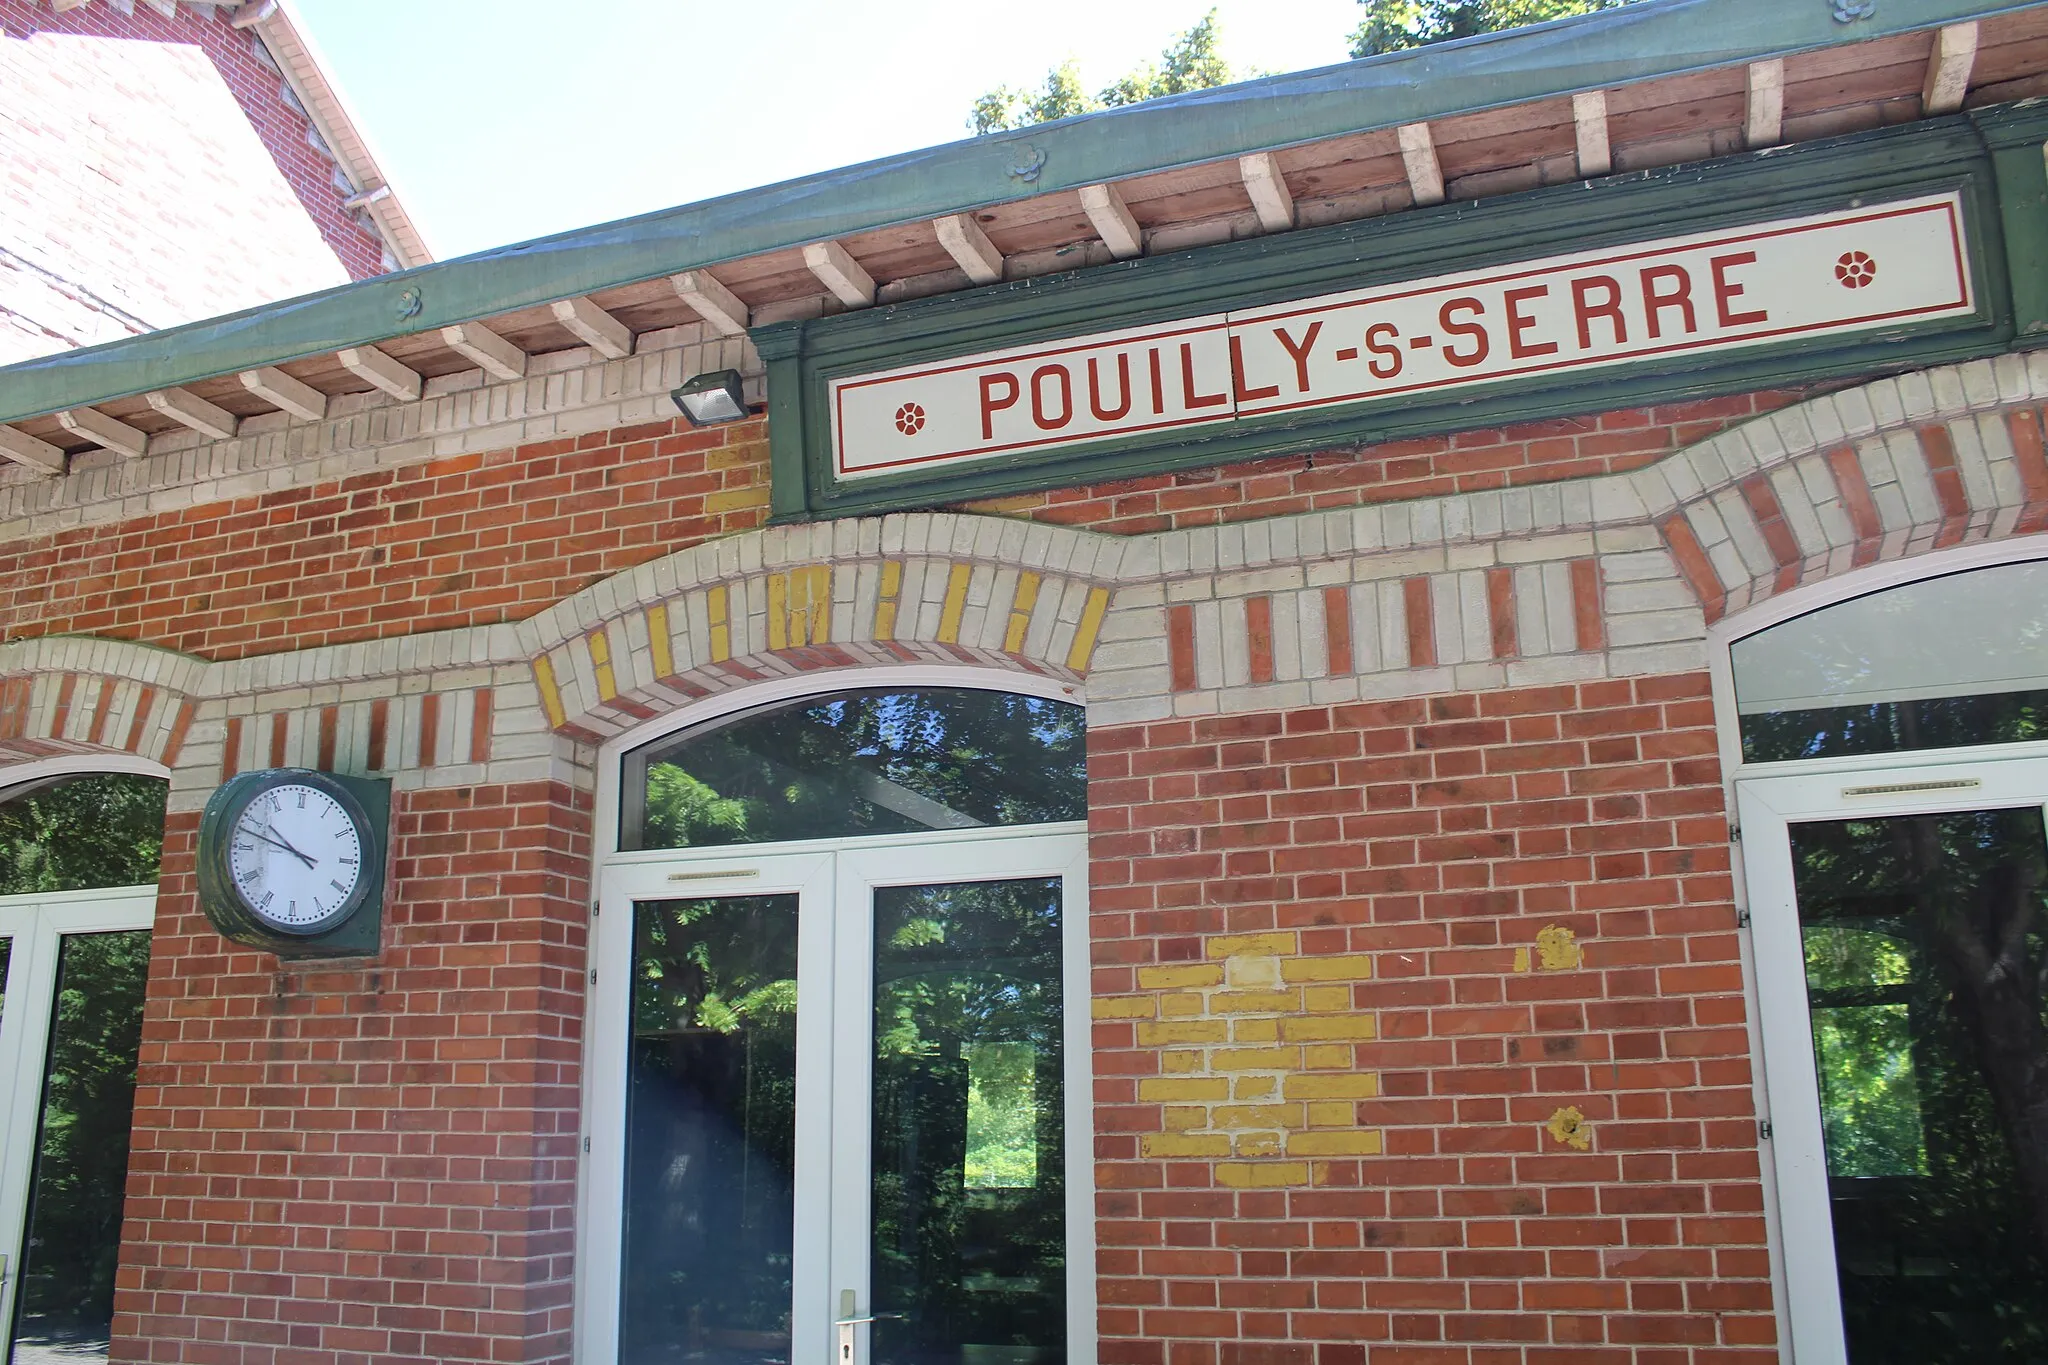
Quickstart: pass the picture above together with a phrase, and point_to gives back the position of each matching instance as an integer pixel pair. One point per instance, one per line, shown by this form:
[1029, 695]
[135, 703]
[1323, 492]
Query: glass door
[1901, 936]
[74, 966]
[831, 1095]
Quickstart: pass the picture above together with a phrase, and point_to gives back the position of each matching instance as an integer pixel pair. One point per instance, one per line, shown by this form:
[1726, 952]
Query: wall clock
[292, 860]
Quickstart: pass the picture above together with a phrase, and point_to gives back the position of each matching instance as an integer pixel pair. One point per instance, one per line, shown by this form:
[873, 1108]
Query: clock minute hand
[280, 843]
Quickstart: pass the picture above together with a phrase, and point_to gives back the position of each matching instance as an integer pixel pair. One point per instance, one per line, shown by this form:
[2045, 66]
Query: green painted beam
[1653, 39]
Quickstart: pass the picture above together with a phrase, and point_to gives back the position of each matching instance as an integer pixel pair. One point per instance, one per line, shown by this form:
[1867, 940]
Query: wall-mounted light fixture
[709, 399]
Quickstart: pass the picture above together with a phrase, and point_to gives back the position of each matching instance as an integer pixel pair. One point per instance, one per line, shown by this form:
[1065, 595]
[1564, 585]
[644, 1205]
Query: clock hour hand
[276, 842]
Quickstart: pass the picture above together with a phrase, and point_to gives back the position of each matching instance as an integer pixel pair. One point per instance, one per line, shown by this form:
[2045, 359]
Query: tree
[1395, 25]
[1190, 62]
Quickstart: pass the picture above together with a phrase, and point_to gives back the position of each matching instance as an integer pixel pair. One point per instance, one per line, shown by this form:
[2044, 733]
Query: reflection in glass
[1926, 944]
[65, 1298]
[710, 1133]
[884, 762]
[1960, 659]
[78, 832]
[969, 1175]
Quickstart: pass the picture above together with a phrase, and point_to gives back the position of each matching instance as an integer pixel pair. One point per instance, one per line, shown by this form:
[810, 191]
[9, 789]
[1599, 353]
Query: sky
[502, 120]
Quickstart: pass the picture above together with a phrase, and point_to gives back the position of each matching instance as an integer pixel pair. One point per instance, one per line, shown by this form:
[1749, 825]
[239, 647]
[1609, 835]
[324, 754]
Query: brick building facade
[1427, 1021]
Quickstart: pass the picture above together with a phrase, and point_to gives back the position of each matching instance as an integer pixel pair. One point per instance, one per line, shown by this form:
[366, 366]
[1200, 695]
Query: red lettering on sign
[1656, 301]
[1123, 389]
[1519, 323]
[1464, 303]
[1187, 382]
[1585, 309]
[1726, 291]
[1298, 351]
[990, 405]
[1158, 387]
[1379, 339]
[1045, 421]
[1244, 395]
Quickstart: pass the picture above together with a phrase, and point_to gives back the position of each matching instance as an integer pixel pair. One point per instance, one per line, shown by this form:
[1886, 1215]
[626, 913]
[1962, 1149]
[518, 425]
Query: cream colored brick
[1253, 1002]
[1262, 945]
[1180, 977]
[1184, 1088]
[1356, 1086]
[1124, 1007]
[1183, 1144]
[1253, 973]
[1342, 967]
[1334, 1144]
[1329, 1026]
[1263, 1175]
[1188, 1031]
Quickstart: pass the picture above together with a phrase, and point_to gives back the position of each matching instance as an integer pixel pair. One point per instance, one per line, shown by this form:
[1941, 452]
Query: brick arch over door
[76, 695]
[914, 587]
[1880, 472]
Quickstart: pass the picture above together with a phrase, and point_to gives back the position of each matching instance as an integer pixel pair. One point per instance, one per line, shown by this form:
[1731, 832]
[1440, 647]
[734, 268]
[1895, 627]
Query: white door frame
[36, 923]
[1767, 807]
[833, 880]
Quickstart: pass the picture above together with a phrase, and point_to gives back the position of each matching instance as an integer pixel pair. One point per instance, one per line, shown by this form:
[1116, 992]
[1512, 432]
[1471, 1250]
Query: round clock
[287, 854]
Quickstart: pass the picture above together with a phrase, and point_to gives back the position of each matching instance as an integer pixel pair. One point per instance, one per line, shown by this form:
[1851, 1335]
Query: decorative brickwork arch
[1878, 473]
[918, 587]
[77, 695]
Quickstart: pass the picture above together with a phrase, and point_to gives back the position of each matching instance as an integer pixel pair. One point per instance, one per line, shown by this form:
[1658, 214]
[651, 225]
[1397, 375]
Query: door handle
[846, 1326]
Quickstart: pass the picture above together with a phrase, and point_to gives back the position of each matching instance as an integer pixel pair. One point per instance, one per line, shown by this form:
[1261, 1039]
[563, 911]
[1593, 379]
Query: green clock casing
[292, 860]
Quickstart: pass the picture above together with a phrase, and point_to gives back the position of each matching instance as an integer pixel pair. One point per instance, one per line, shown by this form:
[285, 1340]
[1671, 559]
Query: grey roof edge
[1645, 41]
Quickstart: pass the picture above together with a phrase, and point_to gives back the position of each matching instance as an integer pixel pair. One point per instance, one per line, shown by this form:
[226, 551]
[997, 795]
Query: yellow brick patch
[1358, 1085]
[1327, 1056]
[1190, 1031]
[1349, 967]
[1332, 1114]
[1346, 1026]
[1184, 1144]
[1125, 1007]
[1180, 1005]
[1181, 977]
[1253, 1002]
[1326, 999]
[1184, 1088]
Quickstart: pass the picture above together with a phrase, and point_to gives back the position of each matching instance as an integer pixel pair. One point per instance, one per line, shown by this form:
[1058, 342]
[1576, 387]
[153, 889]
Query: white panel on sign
[1824, 275]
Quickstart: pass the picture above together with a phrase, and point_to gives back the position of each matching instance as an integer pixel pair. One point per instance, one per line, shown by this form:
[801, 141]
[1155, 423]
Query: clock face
[295, 857]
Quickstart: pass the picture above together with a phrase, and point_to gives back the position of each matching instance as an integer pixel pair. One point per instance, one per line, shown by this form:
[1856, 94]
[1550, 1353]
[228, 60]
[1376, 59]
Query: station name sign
[1861, 269]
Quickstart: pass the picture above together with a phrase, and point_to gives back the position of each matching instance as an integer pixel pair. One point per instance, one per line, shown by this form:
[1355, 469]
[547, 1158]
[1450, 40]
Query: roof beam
[1589, 122]
[721, 309]
[840, 273]
[367, 362]
[1105, 207]
[280, 390]
[110, 432]
[473, 341]
[167, 8]
[969, 247]
[597, 329]
[189, 409]
[60, 6]
[1764, 123]
[1425, 173]
[1948, 69]
[253, 12]
[25, 449]
[1271, 199]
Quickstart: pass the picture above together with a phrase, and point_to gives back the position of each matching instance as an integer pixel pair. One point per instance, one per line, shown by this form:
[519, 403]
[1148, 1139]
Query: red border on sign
[1948, 207]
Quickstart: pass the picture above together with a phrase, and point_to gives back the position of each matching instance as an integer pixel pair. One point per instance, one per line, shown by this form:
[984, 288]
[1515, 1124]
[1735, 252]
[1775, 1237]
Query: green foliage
[1192, 61]
[1395, 25]
[99, 829]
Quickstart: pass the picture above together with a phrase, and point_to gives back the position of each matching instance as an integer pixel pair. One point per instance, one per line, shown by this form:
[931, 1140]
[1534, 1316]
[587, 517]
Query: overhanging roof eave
[1659, 38]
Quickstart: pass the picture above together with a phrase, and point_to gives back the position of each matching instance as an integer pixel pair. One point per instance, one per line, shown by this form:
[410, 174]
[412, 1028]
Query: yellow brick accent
[1322, 1056]
[733, 499]
[1326, 999]
[1180, 978]
[1255, 1031]
[1180, 1005]
[1091, 625]
[1253, 1058]
[1180, 1061]
[1333, 1144]
[800, 606]
[1356, 1086]
[1180, 1118]
[955, 604]
[1253, 1002]
[1124, 1007]
[721, 630]
[1265, 945]
[550, 691]
[1345, 1026]
[1259, 1144]
[600, 643]
[1253, 1087]
[1265, 1175]
[658, 642]
[1189, 1031]
[1347, 967]
[1184, 1144]
[1257, 1116]
[1020, 613]
[1332, 1114]
[885, 603]
[1183, 1088]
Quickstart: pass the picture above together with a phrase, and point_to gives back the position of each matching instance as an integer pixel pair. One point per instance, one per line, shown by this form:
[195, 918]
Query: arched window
[81, 830]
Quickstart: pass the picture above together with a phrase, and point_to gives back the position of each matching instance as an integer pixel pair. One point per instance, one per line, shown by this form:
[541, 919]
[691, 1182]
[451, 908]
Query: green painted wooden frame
[1994, 159]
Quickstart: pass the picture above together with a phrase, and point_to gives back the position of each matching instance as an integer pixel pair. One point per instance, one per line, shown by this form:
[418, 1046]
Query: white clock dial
[295, 856]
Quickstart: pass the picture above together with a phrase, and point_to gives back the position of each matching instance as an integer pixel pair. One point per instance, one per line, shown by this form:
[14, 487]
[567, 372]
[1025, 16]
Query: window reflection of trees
[82, 831]
[1927, 967]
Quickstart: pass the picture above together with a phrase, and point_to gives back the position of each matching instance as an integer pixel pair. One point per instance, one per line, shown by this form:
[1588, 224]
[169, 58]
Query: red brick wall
[1441, 839]
[466, 541]
[1429, 466]
[255, 87]
[369, 1162]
